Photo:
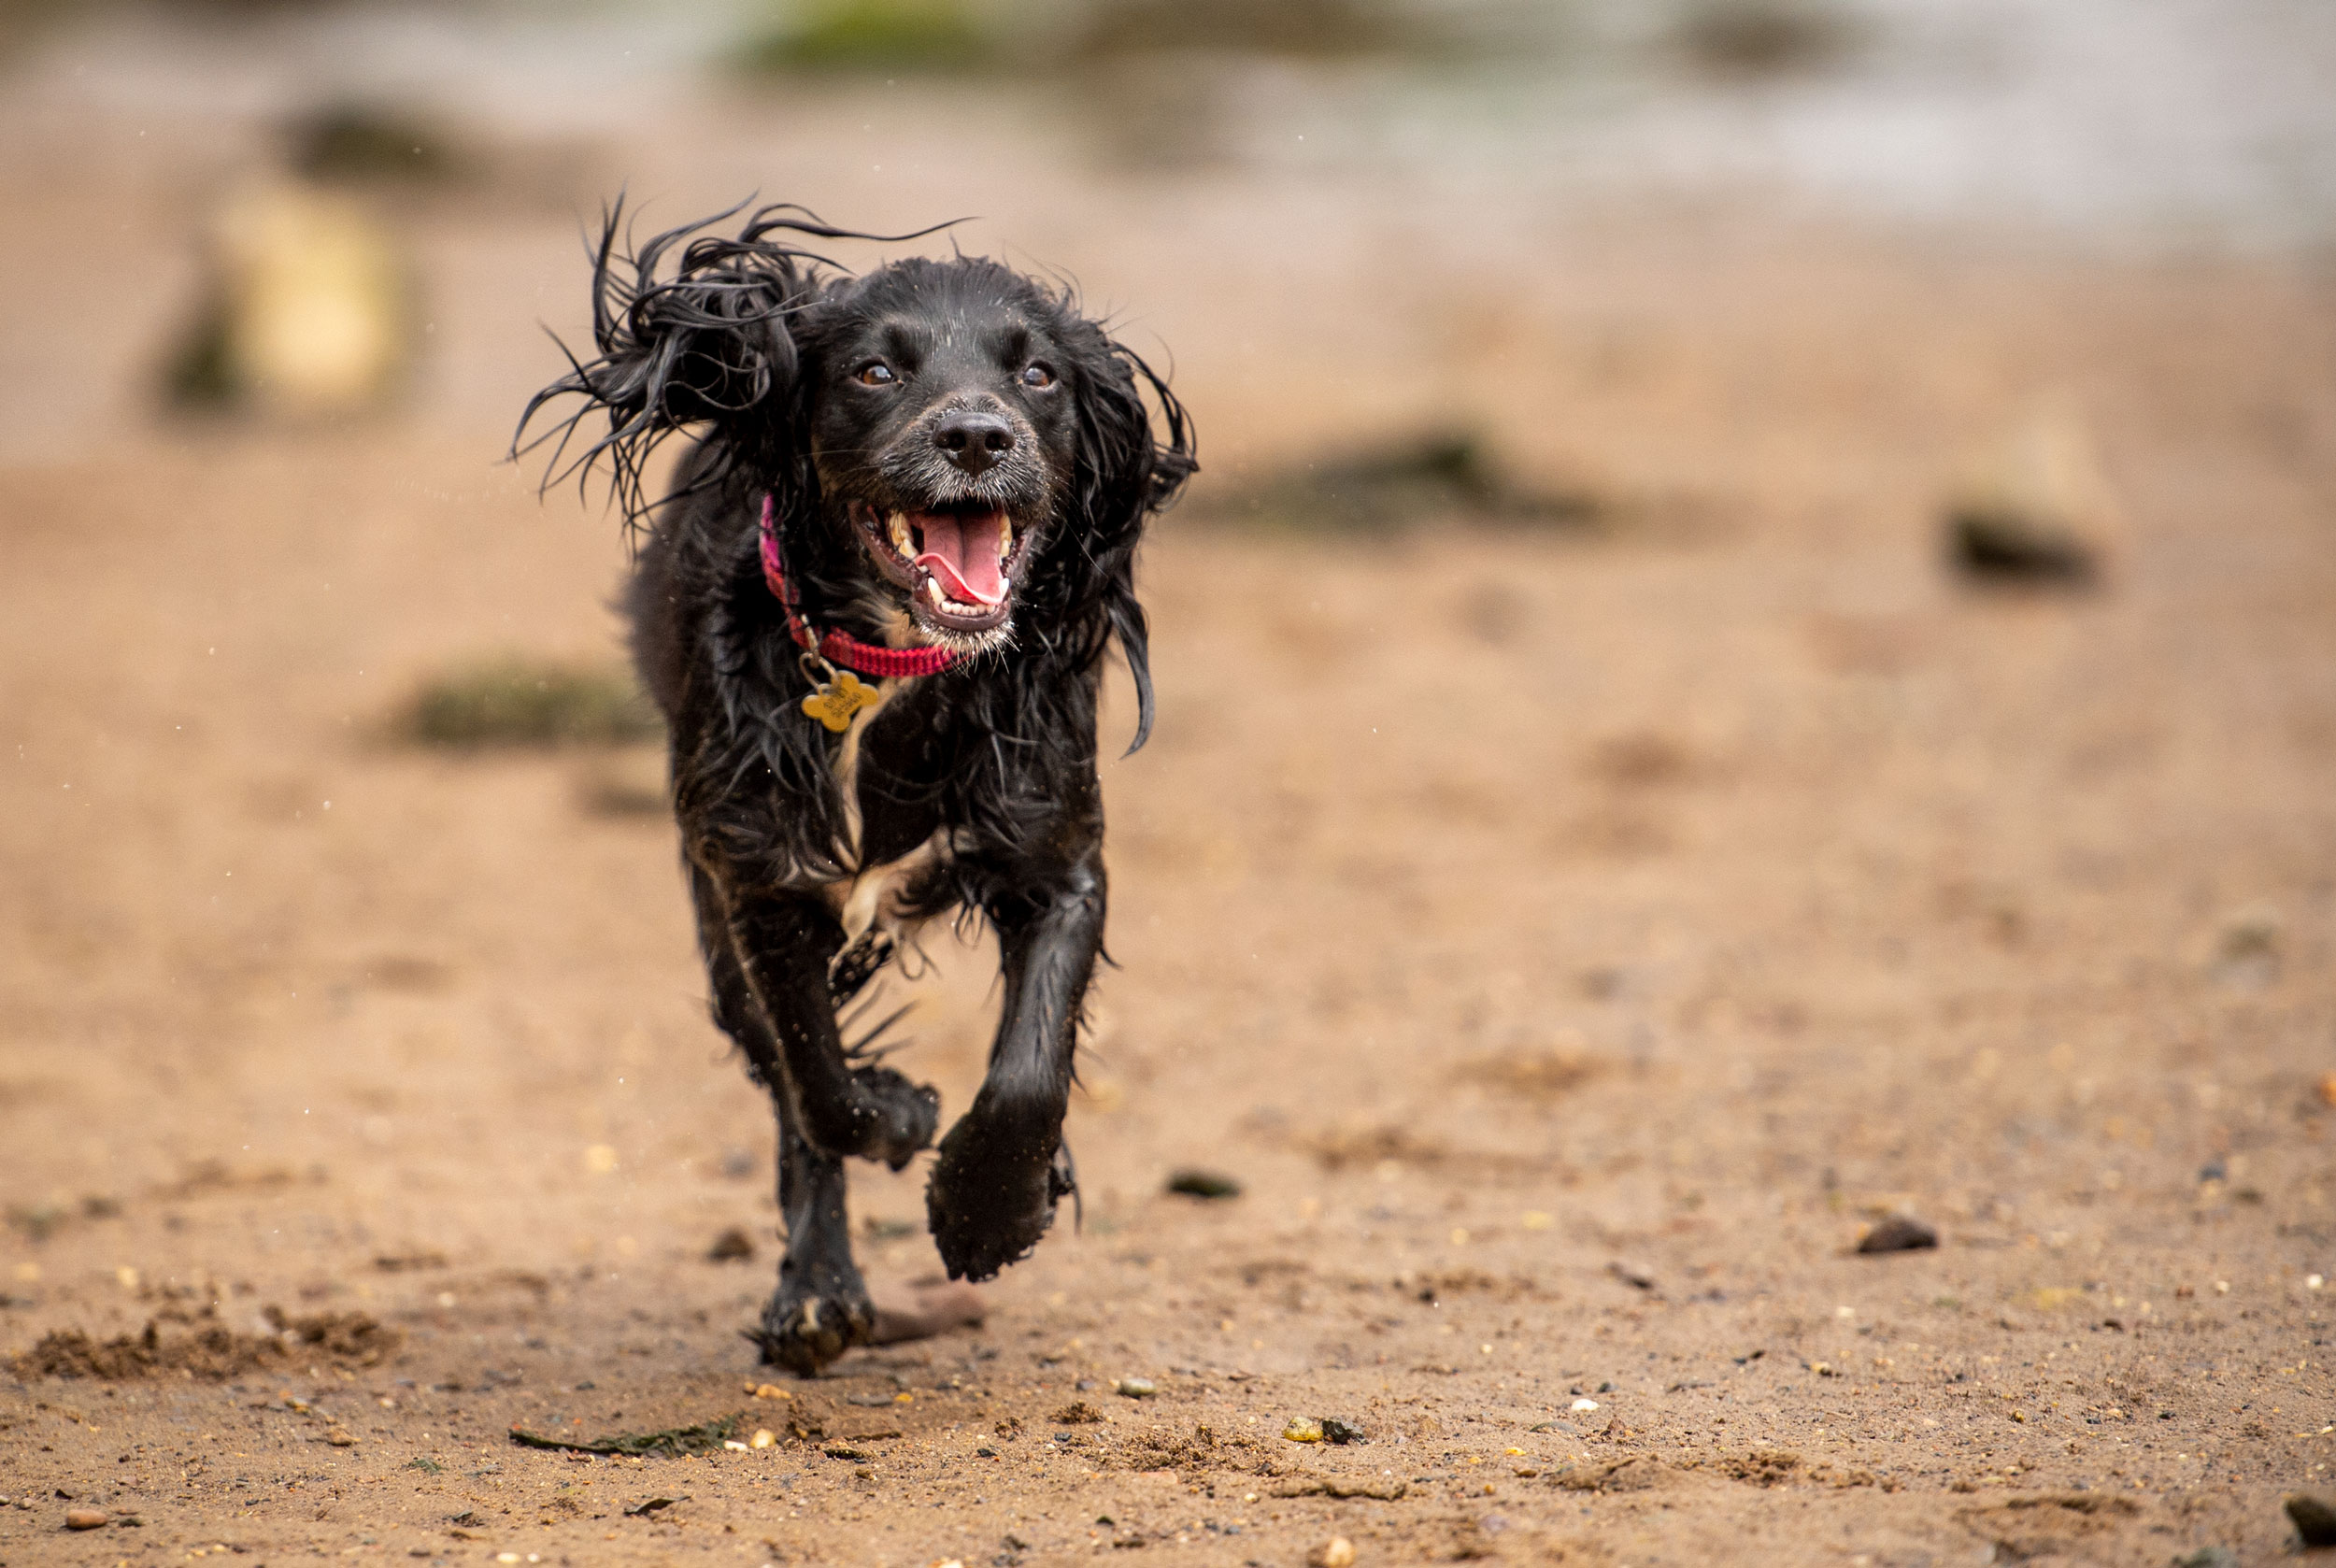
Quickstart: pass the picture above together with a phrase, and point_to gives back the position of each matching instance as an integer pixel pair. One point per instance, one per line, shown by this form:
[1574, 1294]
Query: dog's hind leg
[821, 1308]
[1003, 1166]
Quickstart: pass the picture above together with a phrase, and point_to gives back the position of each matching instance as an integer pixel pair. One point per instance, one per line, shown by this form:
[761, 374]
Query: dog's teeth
[900, 532]
[1005, 536]
[932, 591]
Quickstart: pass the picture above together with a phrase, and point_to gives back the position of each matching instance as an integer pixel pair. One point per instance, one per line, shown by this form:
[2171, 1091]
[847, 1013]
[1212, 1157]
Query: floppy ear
[1126, 473]
[709, 345]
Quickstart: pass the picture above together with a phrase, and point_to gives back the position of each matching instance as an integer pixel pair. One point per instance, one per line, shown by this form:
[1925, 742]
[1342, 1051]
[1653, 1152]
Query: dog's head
[943, 413]
[950, 446]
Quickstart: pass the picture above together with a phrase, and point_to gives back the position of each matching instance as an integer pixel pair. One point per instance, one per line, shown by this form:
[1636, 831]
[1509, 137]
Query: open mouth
[956, 562]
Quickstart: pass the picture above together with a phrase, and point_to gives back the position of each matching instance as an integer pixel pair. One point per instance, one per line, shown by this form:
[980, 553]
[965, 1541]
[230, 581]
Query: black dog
[934, 476]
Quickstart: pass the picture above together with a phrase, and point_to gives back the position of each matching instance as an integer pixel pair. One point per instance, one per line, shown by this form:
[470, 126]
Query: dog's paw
[993, 1193]
[805, 1333]
[906, 1115]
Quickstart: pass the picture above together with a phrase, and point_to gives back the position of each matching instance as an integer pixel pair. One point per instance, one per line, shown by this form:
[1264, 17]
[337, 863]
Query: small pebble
[84, 1518]
[1135, 1387]
[1336, 1552]
[764, 1438]
[1585, 1406]
[1337, 1431]
[1299, 1430]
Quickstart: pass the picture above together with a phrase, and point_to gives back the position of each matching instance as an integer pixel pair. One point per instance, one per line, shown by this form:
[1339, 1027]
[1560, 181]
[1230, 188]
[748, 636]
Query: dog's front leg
[785, 942]
[1000, 1172]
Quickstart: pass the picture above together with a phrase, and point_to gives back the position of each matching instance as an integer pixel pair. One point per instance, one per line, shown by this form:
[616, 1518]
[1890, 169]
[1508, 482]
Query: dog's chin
[931, 629]
[953, 569]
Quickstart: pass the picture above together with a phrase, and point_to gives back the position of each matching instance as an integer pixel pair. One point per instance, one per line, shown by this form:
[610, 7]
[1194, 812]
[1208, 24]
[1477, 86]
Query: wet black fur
[749, 343]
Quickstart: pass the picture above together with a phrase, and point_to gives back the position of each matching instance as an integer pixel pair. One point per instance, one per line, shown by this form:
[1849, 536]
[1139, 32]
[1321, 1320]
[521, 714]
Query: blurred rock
[1899, 1232]
[513, 700]
[2315, 1519]
[1196, 1183]
[1755, 38]
[360, 141]
[1403, 481]
[2035, 505]
[308, 312]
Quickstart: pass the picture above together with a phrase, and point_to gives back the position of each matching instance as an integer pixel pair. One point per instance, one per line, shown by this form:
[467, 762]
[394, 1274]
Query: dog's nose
[973, 440]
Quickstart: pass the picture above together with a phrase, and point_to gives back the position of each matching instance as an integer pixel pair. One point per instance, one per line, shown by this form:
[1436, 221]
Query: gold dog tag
[836, 703]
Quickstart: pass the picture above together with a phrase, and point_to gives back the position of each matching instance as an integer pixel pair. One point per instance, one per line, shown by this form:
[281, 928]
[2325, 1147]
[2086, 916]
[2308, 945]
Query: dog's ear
[710, 344]
[1127, 470]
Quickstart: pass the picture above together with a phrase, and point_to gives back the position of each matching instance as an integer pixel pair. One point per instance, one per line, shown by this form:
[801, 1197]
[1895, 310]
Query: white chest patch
[876, 898]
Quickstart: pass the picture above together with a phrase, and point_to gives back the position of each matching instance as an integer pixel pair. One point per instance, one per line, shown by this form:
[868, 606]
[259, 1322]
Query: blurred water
[2154, 121]
[2159, 119]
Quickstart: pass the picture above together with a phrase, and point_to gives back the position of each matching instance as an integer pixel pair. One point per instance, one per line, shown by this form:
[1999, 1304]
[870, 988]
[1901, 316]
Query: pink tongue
[961, 552]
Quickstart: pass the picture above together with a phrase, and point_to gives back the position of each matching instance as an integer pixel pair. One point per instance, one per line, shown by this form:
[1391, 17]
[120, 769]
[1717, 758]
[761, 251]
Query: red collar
[836, 647]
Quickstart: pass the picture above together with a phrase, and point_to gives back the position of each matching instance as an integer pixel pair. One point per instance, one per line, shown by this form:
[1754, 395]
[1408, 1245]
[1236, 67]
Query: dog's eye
[1037, 377]
[876, 373]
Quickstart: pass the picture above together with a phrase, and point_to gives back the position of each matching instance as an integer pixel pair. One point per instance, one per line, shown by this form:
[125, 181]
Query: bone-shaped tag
[835, 705]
